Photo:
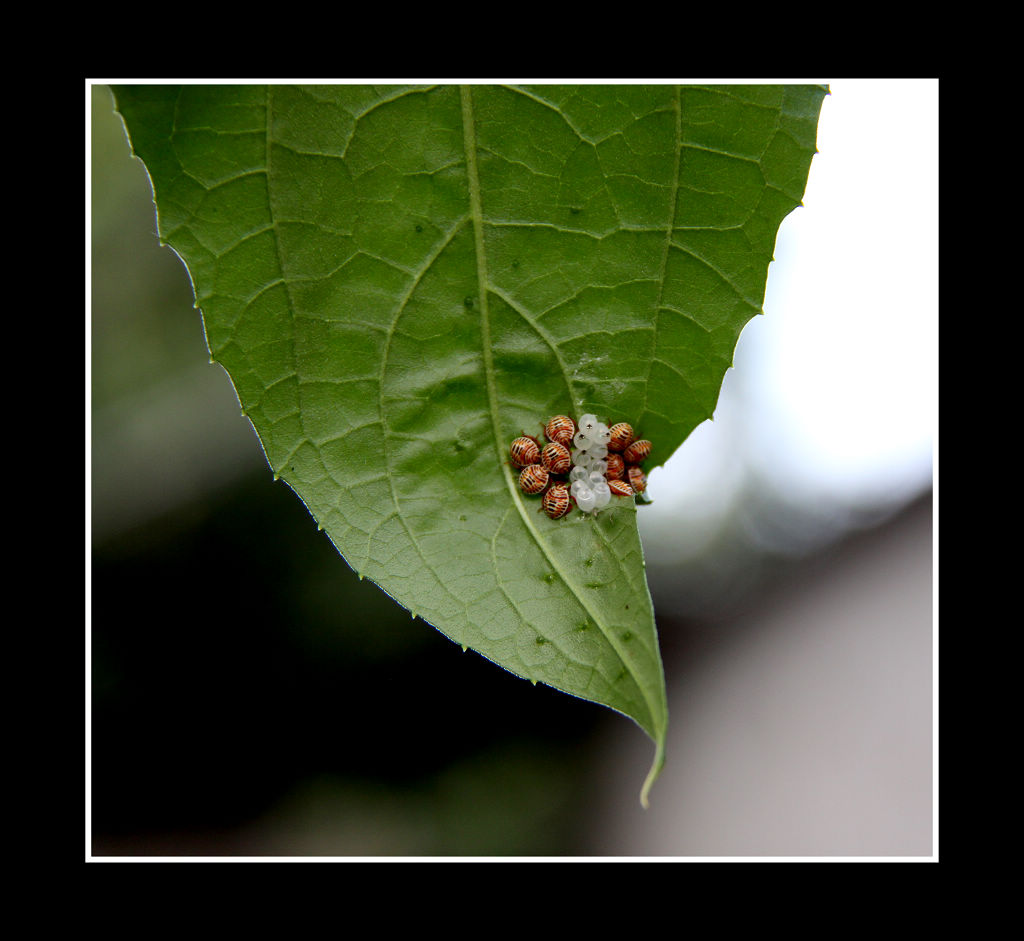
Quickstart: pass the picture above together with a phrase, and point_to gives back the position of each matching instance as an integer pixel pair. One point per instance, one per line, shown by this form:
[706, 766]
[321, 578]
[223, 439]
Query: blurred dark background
[250, 696]
[249, 693]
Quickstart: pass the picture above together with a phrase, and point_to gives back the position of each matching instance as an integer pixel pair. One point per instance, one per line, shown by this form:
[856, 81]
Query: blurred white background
[833, 401]
[801, 717]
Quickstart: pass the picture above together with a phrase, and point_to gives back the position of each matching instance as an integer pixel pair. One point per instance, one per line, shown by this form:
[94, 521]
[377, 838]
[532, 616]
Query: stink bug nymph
[637, 451]
[524, 451]
[556, 501]
[621, 437]
[556, 458]
[637, 479]
[620, 488]
[534, 478]
[616, 467]
[561, 428]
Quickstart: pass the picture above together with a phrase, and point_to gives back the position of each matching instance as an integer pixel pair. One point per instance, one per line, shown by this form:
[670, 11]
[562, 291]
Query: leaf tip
[652, 775]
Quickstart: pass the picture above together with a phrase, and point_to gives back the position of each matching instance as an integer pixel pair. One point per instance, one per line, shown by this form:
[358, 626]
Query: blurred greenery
[570, 189]
[231, 713]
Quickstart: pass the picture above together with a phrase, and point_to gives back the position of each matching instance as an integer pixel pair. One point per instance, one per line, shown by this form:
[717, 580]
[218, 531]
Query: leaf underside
[401, 280]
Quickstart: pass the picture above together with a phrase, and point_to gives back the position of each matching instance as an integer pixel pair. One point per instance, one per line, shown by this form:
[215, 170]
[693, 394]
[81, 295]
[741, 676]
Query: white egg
[586, 500]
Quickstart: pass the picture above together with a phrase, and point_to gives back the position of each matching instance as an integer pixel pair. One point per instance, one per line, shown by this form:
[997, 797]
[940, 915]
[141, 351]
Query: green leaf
[399, 281]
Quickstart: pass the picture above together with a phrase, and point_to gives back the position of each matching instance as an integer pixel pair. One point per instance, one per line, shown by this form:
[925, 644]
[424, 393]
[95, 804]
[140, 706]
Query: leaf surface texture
[401, 280]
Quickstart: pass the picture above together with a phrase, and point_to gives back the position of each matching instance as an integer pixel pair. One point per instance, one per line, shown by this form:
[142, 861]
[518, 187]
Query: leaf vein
[478, 229]
[382, 408]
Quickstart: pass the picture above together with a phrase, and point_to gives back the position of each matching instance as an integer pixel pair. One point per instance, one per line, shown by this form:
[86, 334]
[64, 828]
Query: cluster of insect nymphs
[585, 465]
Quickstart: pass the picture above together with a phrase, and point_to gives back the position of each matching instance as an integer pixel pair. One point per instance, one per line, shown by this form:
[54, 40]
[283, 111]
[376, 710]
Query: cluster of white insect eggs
[587, 482]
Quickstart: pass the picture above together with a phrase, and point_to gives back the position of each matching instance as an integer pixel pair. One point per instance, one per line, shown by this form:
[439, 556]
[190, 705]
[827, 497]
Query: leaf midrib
[476, 213]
